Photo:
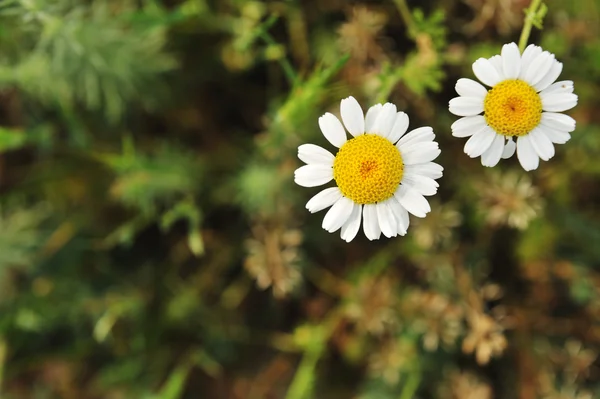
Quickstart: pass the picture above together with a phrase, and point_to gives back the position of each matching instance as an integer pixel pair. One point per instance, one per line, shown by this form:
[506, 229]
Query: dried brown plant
[509, 199]
[272, 258]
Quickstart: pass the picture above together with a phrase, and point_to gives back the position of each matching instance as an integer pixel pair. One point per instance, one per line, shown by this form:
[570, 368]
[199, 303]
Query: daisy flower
[524, 103]
[381, 174]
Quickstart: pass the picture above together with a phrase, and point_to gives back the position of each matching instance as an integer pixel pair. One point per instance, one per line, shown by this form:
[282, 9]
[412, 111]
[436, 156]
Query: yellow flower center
[368, 169]
[512, 108]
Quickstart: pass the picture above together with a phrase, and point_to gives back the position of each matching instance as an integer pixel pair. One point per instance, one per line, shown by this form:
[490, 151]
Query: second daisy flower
[524, 103]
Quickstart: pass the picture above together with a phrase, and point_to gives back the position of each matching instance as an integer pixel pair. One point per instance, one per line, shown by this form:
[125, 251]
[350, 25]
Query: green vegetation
[154, 245]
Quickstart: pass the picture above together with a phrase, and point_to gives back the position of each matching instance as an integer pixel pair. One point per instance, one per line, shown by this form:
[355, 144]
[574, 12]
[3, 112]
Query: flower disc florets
[368, 169]
[512, 108]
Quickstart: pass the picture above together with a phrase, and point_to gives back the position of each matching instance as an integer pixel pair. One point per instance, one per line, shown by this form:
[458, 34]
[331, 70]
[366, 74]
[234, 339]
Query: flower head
[381, 174]
[273, 258]
[509, 199]
[465, 385]
[392, 359]
[437, 229]
[486, 337]
[524, 103]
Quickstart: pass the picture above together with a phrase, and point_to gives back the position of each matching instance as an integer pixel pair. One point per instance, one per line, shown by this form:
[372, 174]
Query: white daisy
[381, 174]
[524, 102]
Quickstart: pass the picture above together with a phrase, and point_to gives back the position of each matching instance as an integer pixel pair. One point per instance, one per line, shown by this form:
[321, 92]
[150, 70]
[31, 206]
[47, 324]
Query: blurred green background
[153, 243]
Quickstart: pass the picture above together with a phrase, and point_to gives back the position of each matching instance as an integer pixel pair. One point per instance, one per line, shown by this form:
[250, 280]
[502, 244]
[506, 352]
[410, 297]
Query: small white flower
[524, 102]
[381, 174]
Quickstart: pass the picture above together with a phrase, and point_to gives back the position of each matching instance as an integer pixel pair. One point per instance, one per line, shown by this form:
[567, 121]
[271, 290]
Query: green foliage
[21, 235]
[258, 188]
[421, 70]
[154, 245]
[13, 139]
[144, 182]
[432, 26]
[71, 63]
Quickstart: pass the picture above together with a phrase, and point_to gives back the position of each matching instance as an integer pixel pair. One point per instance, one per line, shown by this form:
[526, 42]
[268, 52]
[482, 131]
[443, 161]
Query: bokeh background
[153, 243]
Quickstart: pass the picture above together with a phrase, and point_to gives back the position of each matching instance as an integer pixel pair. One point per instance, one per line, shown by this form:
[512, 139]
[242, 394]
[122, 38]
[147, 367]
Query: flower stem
[3, 350]
[285, 64]
[533, 16]
[406, 15]
[411, 385]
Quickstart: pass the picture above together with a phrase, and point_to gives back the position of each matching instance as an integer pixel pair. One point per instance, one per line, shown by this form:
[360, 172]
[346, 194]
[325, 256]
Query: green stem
[303, 382]
[406, 16]
[3, 350]
[411, 386]
[530, 17]
[288, 70]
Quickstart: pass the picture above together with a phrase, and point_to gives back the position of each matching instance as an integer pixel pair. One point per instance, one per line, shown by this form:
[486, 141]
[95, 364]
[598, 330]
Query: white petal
[313, 154]
[555, 136]
[509, 149]
[424, 185]
[386, 220]
[371, 117]
[313, 175]
[479, 142]
[496, 61]
[486, 72]
[558, 102]
[541, 144]
[385, 120]
[338, 214]
[370, 222]
[417, 136]
[538, 68]
[564, 86]
[526, 154]
[353, 116]
[412, 201]
[531, 52]
[420, 153]
[324, 199]
[465, 127]
[558, 121]
[400, 215]
[399, 127]
[466, 106]
[550, 77]
[492, 155]
[470, 88]
[332, 129]
[429, 169]
[352, 225]
[511, 60]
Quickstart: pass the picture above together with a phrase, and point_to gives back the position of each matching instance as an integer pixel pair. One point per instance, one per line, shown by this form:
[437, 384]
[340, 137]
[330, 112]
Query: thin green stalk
[406, 15]
[411, 386]
[533, 16]
[303, 382]
[288, 70]
[3, 350]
